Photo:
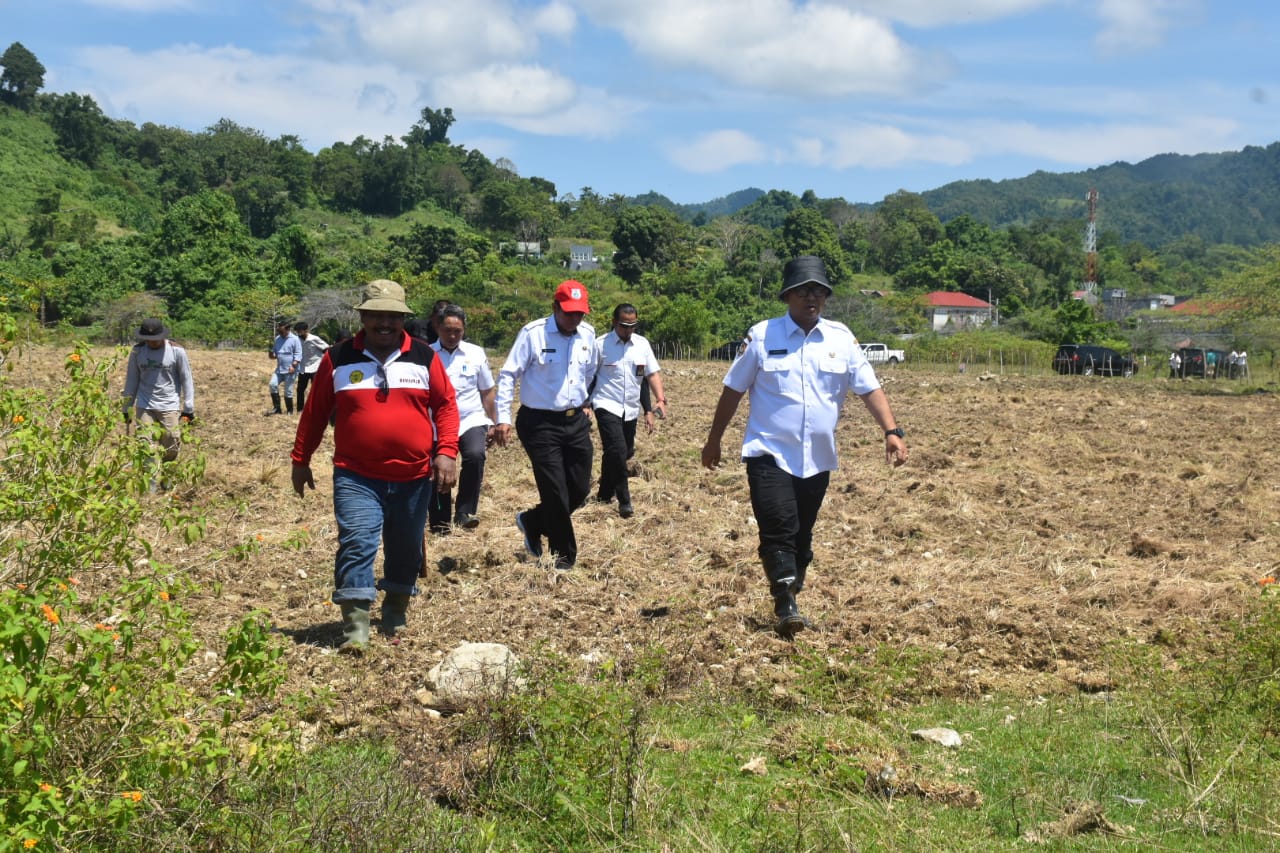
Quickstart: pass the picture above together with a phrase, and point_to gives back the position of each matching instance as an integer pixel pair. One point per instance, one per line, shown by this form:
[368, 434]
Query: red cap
[572, 296]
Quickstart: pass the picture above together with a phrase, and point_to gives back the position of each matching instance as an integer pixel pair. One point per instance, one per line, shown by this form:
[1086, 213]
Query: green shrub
[108, 734]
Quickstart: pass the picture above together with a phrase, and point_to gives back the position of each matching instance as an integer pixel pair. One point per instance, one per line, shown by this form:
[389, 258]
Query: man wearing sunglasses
[395, 442]
[627, 366]
[798, 369]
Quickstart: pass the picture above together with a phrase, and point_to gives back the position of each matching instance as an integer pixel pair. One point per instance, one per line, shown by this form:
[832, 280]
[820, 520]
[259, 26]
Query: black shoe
[626, 510]
[604, 499]
[269, 412]
[469, 522]
[532, 543]
[441, 529]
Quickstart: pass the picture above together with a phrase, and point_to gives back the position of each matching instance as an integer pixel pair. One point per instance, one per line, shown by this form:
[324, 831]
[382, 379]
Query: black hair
[451, 310]
[624, 308]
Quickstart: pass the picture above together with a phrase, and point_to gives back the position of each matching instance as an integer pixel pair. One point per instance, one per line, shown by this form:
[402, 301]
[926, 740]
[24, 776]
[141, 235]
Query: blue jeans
[285, 379]
[367, 511]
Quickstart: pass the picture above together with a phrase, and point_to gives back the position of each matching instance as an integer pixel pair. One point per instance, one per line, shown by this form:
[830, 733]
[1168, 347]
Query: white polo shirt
[797, 385]
[623, 368]
[554, 370]
[468, 369]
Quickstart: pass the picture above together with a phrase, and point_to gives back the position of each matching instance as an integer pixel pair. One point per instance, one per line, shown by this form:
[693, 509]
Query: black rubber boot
[288, 405]
[275, 405]
[780, 568]
[802, 568]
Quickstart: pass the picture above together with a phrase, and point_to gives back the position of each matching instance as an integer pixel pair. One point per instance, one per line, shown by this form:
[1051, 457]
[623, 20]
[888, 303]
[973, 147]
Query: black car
[1087, 359]
[1207, 363]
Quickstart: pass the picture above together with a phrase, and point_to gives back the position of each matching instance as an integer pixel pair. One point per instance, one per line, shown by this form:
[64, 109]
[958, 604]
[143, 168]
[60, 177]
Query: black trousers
[471, 457]
[785, 507]
[560, 451]
[304, 379]
[617, 444]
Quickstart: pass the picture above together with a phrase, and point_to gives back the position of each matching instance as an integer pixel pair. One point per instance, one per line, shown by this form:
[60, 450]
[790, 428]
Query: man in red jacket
[394, 409]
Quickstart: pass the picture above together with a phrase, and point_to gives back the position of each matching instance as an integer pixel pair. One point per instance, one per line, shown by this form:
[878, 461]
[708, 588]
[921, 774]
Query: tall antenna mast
[1091, 243]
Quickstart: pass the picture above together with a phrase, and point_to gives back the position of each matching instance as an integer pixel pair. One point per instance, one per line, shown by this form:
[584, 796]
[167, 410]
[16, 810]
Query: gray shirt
[159, 379]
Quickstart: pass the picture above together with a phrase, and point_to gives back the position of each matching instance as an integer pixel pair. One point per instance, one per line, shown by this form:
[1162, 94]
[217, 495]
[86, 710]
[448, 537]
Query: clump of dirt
[1040, 518]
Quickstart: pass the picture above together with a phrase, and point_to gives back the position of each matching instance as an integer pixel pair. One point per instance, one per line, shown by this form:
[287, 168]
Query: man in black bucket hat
[798, 369]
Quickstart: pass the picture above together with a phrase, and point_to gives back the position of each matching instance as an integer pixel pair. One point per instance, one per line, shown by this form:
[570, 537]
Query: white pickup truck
[881, 354]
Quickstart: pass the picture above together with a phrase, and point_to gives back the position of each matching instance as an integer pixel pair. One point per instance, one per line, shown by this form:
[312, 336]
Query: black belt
[552, 413]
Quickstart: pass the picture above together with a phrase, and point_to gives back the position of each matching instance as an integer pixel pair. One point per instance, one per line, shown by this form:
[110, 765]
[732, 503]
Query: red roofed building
[951, 311]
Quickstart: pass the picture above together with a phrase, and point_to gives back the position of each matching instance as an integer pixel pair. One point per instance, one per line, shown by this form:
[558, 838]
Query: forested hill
[1232, 197]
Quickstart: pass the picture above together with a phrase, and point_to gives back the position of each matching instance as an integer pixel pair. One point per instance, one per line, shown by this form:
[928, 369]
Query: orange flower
[103, 626]
[136, 796]
[259, 537]
[45, 787]
[22, 586]
[164, 596]
[29, 843]
[17, 419]
[74, 358]
[73, 581]
[111, 689]
[1267, 581]
[50, 613]
[62, 587]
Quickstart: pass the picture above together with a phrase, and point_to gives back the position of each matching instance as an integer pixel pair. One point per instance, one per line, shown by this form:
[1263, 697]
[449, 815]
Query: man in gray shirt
[158, 388]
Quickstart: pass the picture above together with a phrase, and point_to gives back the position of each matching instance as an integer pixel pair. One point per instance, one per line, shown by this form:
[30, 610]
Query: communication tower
[1091, 243]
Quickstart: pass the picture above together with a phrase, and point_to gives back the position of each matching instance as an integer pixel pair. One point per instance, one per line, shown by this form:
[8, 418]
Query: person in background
[553, 360]
[627, 364]
[286, 350]
[475, 390]
[798, 369]
[394, 442]
[158, 388]
[313, 347]
[432, 325]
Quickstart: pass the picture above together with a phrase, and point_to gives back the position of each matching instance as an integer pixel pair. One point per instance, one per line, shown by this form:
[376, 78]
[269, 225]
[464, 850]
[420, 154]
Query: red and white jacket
[391, 418]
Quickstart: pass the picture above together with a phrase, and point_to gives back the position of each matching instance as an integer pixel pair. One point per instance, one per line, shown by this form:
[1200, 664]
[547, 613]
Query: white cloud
[555, 19]
[777, 46]
[932, 13]
[438, 36]
[717, 151]
[1129, 25]
[192, 87]
[593, 114]
[506, 91]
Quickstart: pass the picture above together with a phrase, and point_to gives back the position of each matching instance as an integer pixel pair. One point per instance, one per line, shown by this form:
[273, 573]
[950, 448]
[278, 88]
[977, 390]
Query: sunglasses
[628, 325]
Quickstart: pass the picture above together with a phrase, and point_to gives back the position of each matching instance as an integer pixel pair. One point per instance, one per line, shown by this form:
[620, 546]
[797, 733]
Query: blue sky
[694, 99]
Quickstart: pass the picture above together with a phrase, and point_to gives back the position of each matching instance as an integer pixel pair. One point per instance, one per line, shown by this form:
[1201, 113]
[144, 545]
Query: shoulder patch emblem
[357, 376]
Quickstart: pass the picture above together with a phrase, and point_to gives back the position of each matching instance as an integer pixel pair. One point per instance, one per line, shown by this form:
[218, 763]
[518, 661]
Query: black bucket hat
[152, 330]
[802, 270]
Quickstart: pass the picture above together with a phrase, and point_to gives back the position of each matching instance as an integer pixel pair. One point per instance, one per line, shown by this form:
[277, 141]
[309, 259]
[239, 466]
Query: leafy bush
[108, 736]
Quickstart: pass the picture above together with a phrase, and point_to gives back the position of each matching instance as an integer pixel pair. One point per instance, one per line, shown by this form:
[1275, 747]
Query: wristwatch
[895, 431]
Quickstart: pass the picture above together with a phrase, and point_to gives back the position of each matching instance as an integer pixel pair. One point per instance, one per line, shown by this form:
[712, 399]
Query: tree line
[224, 229]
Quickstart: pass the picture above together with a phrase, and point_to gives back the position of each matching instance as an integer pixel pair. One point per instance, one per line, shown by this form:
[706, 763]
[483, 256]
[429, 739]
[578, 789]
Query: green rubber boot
[355, 627]
[395, 609]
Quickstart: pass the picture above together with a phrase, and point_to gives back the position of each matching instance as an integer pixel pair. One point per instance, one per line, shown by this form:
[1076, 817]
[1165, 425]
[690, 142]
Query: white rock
[946, 737]
[756, 766]
[473, 671]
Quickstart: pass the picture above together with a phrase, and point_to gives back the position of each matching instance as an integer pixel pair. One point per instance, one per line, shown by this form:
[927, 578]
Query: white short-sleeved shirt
[468, 369]
[797, 385]
[623, 368]
[554, 370]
